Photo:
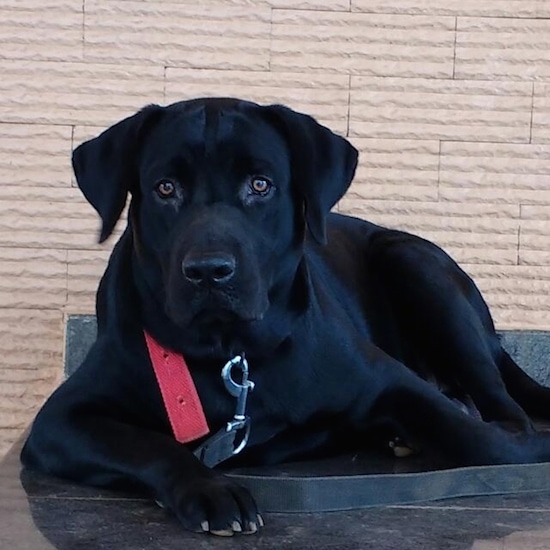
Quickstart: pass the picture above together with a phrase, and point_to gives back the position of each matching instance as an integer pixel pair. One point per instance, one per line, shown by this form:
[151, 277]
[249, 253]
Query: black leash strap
[301, 494]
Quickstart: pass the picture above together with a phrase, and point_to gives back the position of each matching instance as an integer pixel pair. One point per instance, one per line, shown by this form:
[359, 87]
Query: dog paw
[217, 506]
[400, 448]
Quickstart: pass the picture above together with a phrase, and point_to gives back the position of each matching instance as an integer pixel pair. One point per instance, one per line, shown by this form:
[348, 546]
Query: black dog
[349, 328]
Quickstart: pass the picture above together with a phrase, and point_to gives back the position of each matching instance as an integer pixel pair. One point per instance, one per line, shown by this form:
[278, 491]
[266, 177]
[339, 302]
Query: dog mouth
[220, 316]
[215, 314]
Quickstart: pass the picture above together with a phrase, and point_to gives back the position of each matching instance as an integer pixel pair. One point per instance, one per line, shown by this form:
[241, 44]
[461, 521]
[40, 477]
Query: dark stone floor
[39, 513]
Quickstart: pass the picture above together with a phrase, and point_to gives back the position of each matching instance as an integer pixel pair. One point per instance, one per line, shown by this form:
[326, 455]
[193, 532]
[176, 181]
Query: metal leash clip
[226, 443]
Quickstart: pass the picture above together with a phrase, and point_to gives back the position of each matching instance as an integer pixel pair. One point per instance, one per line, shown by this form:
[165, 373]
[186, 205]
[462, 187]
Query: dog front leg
[100, 451]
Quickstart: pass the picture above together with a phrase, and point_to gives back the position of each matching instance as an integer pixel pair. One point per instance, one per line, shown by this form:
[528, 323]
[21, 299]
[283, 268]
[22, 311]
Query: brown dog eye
[260, 186]
[165, 189]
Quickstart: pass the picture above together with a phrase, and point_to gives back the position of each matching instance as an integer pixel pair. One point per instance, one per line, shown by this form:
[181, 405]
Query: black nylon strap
[349, 492]
[217, 448]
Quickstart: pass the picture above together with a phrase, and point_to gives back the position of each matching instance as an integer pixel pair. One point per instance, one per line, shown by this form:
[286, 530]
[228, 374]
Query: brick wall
[449, 103]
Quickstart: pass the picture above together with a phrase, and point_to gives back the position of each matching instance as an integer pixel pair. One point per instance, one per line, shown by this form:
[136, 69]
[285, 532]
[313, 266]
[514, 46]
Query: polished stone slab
[41, 513]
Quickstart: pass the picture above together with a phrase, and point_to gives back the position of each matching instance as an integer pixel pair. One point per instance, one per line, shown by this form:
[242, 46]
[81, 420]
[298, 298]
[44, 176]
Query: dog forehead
[215, 126]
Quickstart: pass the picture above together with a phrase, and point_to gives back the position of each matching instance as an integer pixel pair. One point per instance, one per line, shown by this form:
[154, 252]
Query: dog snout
[209, 268]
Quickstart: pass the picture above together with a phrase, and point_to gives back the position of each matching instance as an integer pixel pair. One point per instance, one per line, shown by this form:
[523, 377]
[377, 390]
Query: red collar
[179, 393]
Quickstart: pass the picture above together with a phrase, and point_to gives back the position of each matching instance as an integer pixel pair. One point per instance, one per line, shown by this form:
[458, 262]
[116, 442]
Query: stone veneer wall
[449, 103]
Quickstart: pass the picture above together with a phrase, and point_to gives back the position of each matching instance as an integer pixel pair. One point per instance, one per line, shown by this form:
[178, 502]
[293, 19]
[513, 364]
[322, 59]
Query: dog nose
[206, 268]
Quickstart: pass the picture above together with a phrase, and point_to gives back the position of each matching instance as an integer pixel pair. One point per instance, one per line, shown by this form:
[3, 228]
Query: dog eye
[165, 189]
[260, 185]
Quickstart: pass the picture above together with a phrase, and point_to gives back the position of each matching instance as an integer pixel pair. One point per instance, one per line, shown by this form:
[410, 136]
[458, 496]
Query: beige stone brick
[31, 338]
[535, 212]
[388, 45]
[541, 113]
[33, 278]
[389, 192]
[495, 172]
[535, 252]
[75, 93]
[32, 344]
[49, 225]
[522, 319]
[323, 96]
[398, 161]
[482, 233]
[84, 133]
[488, 8]
[534, 242]
[85, 271]
[538, 153]
[324, 5]
[522, 302]
[509, 279]
[532, 297]
[394, 169]
[516, 294]
[510, 196]
[51, 30]
[12, 193]
[212, 35]
[440, 109]
[321, 5]
[502, 48]
[29, 6]
[35, 155]
[482, 217]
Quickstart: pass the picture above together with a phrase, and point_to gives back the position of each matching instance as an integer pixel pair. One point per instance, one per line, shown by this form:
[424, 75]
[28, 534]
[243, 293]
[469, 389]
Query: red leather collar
[179, 393]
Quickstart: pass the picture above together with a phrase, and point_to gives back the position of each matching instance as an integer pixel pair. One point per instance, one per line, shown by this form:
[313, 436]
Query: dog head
[224, 193]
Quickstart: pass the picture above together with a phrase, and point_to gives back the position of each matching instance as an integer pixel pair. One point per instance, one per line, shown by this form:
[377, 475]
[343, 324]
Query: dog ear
[106, 167]
[323, 165]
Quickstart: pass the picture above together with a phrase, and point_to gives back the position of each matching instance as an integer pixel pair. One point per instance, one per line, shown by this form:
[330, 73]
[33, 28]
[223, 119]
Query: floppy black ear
[323, 165]
[106, 166]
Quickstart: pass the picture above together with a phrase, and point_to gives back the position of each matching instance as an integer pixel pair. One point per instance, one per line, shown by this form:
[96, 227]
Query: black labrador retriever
[350, 329]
